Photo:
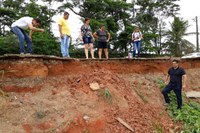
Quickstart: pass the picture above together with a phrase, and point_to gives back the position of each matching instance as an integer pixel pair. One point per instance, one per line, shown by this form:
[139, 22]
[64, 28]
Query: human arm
[30, 34]
[95, 35]
[184, 81]
[108, 37]
[31, 27]
[132, 37]
[60, 30]
[81, 36]
[167, 79]
[141, 37]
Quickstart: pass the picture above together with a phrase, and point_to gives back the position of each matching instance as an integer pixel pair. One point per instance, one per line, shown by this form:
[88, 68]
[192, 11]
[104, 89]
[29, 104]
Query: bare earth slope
[54, 95]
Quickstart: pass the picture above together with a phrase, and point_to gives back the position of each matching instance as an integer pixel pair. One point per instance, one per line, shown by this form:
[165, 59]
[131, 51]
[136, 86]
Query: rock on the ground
[94, 86]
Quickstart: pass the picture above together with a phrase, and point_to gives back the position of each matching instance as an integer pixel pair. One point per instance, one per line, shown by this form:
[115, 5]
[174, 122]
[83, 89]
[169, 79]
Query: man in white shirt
[19, 27]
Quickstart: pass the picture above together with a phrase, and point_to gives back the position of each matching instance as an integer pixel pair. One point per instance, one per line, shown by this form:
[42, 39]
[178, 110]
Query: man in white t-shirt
[19, 27]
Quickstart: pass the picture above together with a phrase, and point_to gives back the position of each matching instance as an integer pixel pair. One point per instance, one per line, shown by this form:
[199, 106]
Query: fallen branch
[125, 124]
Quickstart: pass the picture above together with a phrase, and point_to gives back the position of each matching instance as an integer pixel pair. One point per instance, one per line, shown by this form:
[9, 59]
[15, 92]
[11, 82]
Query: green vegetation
[189, 114]
[105, 94]
[158, 128]
[40, 114]
[119, 16]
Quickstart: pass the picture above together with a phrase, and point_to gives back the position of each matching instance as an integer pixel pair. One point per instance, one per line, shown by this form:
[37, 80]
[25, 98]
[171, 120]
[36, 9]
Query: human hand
[61, 36]
[42, 30]
[184, 86]
[30, 38]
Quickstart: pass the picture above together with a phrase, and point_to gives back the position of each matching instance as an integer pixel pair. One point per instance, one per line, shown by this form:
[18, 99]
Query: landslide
[40, 96]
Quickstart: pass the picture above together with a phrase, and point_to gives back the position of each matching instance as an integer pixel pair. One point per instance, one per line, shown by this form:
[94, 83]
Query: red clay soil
[41, 96]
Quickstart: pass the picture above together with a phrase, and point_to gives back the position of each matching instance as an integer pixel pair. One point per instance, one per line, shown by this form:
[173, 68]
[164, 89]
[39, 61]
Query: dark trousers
[177, 88]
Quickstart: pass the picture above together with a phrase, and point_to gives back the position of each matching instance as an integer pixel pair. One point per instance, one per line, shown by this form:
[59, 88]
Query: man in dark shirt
[177, 78]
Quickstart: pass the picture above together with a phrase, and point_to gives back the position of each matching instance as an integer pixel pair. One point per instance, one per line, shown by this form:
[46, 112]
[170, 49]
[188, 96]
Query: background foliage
[119, 17]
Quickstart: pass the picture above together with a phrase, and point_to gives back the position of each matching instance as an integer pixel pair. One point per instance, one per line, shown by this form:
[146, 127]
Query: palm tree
[175, 41]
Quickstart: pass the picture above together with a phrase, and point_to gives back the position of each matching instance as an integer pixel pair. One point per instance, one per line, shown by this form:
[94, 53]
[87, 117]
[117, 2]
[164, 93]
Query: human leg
[106, 52]
[67, 40]
[28, 41]
[178, 92]
[100, 52]
[165, 92]
[104, 45]
[86, 51]
[17, 31]
[134, 48]
[62, 46]
[138, 47]
[91, 50]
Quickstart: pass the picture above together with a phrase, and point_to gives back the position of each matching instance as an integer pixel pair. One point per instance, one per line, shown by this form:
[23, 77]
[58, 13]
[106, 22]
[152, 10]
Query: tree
[150, 17]
[175, 42]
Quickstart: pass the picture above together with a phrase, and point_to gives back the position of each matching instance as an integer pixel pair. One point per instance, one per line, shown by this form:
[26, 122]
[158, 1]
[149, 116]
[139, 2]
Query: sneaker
[28, 53]
[22, 53]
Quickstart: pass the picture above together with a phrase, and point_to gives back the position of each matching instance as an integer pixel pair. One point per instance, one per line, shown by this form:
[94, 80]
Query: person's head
[36, 22]
[137, 29]
[175, 63]
[87, 21]
[66, 15]
[102, 27]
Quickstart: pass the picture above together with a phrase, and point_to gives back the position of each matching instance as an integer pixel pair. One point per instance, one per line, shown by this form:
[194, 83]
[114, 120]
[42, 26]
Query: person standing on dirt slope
[177, 76]
[136, 40]
[19, 27]
[103, 37]
[87, 37]
[65, 34]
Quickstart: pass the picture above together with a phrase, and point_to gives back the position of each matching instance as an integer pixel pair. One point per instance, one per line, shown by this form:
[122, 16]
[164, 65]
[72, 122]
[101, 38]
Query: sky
[189, 10]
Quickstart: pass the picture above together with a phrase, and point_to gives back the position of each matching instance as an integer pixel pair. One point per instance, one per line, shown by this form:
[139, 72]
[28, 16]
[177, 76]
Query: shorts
[102, 45]
[87, 40]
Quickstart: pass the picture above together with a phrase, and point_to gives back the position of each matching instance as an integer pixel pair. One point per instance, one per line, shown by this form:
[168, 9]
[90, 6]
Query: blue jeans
[177, 88]
[65, 46]
[136, 46]
[22, 36]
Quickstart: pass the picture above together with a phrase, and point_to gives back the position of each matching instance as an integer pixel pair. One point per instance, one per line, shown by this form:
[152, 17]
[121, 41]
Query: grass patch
[158, 128]
[106, 94]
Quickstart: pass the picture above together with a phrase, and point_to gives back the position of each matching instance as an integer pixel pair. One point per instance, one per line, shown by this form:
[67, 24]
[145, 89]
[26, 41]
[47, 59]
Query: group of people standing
[86, 35]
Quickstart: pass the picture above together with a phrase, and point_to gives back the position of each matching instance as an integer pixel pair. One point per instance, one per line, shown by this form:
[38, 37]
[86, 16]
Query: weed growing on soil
[106, 94]
[158, 128]
[86, 131]
[40, 114]
[189, 114]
